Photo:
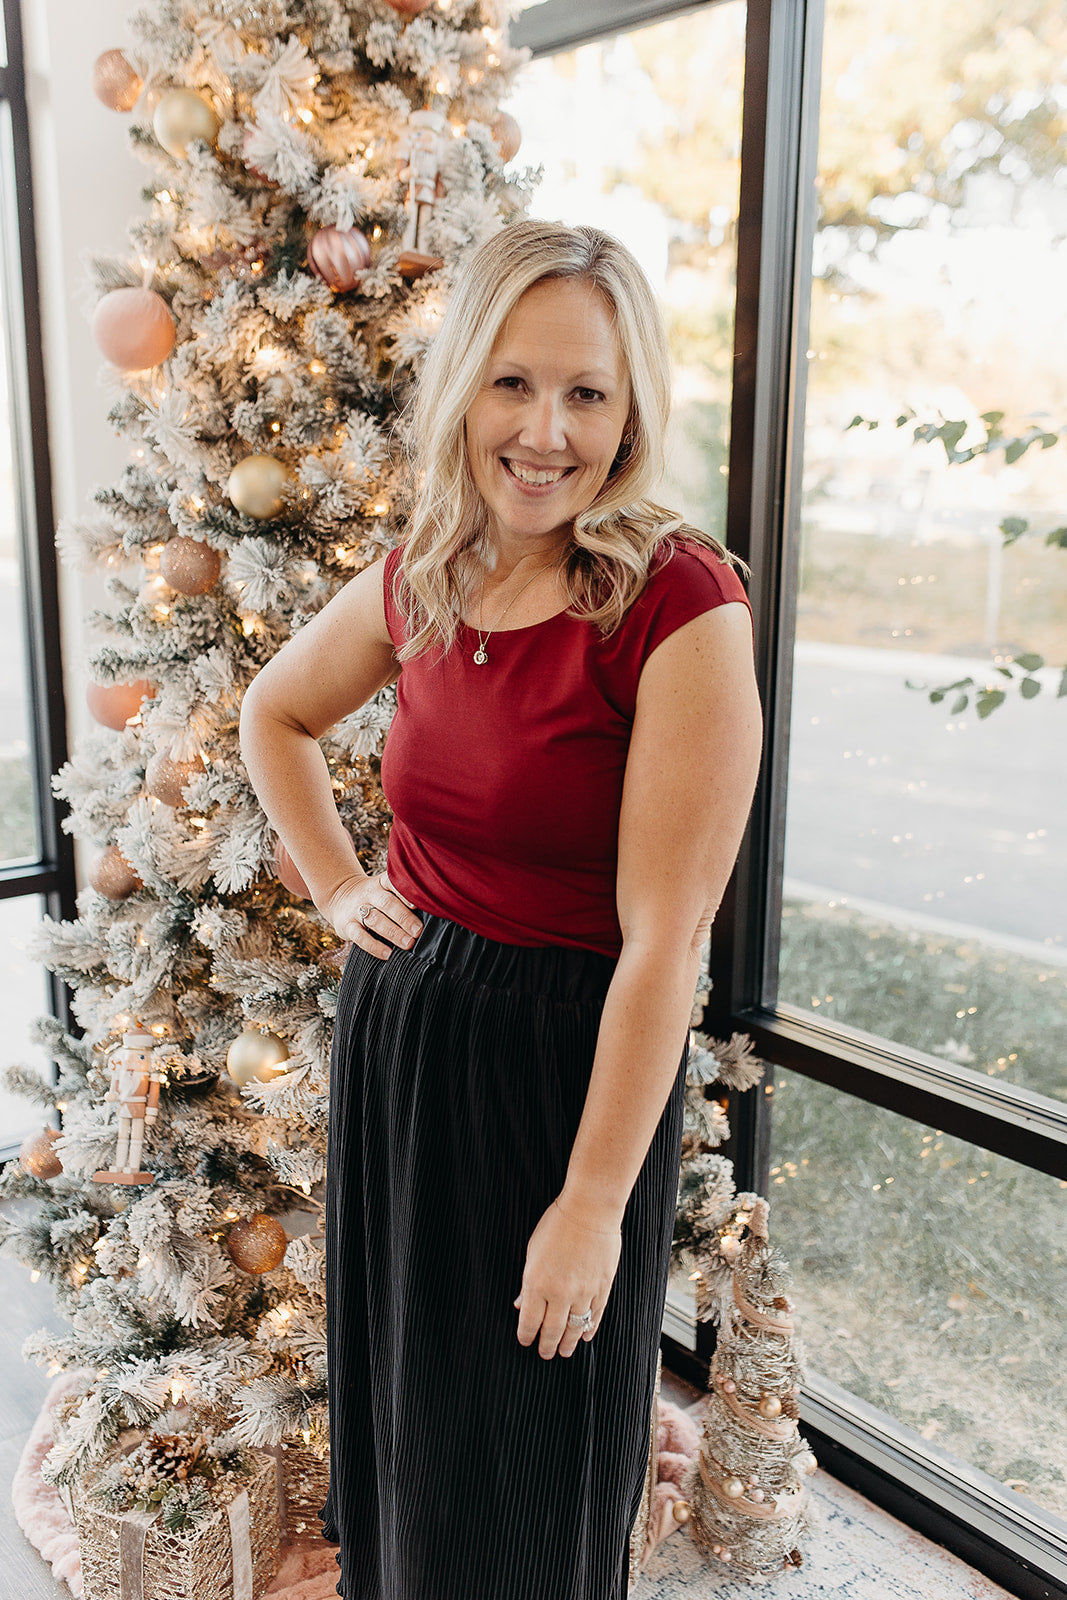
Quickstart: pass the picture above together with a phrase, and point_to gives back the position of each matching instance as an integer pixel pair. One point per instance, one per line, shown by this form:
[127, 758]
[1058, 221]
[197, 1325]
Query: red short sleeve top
[505, 779]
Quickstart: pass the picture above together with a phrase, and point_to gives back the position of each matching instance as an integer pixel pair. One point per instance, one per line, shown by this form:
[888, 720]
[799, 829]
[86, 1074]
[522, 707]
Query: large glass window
[924, 845]
[18, 812]
[931, 1278]
[925, 852]
[36, 859]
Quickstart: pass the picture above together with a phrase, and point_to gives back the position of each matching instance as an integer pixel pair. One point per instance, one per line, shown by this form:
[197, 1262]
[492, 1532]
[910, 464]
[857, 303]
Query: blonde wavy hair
[615, 539]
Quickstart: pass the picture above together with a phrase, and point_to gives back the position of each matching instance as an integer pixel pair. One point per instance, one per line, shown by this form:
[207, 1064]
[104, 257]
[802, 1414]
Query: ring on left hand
[583, 1321]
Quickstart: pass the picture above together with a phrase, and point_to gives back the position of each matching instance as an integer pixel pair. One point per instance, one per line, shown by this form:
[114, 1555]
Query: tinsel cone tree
[318, 171]
[746, 1491]
[743, 1499]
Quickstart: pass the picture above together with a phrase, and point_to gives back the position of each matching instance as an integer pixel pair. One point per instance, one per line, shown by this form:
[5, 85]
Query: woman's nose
[542, 428]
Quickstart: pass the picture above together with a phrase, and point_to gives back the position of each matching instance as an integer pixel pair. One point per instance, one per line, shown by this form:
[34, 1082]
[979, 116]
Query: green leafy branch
[1021, 673]
[987, 697]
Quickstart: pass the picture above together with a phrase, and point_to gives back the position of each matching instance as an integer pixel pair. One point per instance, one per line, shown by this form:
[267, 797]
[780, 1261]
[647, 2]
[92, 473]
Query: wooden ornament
[182, 116]
[339, 256]
[256, 1055]
[189, 565]
[507, 136]
[37, 1156]
[115, 82]
[112, 875]
[257, 1243]
[165, 778]
[413, 264]
[134, 328]
[113, 704]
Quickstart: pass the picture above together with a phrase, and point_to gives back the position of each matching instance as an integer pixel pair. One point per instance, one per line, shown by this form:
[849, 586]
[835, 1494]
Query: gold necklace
[480, 656]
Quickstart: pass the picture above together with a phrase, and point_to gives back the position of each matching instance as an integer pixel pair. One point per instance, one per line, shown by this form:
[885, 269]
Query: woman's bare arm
[690, 775]
[334, 665]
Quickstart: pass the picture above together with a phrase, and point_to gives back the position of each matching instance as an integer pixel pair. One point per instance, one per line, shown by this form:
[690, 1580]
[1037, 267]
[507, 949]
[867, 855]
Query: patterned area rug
[856, 1553]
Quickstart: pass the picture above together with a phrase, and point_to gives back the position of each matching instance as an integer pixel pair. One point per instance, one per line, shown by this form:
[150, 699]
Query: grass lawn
[931, 1276]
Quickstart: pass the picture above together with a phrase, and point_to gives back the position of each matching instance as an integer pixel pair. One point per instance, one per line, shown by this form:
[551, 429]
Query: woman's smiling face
[544, 428]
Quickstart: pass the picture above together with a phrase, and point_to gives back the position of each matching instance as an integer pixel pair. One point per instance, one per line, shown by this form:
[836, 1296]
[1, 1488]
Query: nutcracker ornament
[422, 155]
[135, 1080]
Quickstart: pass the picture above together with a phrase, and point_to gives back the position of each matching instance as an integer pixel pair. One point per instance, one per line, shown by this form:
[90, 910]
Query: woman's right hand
[390, 916]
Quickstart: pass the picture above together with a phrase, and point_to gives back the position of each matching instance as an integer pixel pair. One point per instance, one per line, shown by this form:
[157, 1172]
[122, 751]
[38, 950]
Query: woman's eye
[589, 394]
[506, 383]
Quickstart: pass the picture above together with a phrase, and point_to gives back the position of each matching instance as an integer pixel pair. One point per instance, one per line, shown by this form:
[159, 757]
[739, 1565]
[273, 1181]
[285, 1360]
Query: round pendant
[480, 657]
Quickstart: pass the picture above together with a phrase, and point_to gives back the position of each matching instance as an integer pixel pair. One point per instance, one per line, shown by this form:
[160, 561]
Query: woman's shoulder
[684, 568]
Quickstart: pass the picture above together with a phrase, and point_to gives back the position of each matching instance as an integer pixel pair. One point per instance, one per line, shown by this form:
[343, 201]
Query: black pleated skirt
[463, 1465]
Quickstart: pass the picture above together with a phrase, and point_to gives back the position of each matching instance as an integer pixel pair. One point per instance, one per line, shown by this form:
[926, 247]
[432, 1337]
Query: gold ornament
[134, 328]
[806, 1462]
[770, 1406]
[507, 136]
[190, 566]
[112, 875]
[256, 1055]
[256, 486]
[682, 1511]
[165, 778]
[37, 1156]
[115, 82]
[114, 704]
[733, 1488]
[182, 116]
[257, 1243]
[409, 8]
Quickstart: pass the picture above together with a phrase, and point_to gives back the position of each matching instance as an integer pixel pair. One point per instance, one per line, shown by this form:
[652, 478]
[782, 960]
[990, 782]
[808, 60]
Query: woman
[570, 770]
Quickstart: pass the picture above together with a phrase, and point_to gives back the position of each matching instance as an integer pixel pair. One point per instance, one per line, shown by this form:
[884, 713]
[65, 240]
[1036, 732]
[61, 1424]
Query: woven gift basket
[231, 1554]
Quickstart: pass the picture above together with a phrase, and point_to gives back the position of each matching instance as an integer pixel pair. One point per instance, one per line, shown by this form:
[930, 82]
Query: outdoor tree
[318, 171]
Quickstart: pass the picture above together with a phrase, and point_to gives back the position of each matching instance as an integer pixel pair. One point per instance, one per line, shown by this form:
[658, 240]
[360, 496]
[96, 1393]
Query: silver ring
[585, 1321]
[363, 911]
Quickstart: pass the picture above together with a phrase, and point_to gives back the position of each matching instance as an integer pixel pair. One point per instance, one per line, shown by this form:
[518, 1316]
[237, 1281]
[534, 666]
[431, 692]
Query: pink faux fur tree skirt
[306, 1571]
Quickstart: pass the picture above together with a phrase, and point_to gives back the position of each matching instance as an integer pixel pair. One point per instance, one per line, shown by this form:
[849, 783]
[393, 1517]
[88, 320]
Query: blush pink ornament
[114, 704]
[165, 778]
[112, 876]
[257, 172]
[339, 256]
[134, 328]
[189, 565]
[288, 873]
[115, 82]
[507, 136]
[37, 1156]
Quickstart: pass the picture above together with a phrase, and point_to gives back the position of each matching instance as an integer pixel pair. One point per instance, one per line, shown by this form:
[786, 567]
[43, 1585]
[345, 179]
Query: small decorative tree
[746, 1490]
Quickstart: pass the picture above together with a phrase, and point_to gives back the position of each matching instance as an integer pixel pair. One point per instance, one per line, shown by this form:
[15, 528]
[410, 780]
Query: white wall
[87, 185]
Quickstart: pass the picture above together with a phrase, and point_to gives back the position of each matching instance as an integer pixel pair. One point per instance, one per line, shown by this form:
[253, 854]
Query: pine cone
[171, 1455]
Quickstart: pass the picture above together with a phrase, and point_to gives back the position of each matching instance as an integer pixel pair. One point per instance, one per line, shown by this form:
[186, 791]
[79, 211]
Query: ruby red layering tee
[505, 779]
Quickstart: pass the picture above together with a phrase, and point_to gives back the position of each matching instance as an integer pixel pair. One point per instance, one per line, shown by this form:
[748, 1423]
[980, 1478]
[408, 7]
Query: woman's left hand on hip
[570, 1267]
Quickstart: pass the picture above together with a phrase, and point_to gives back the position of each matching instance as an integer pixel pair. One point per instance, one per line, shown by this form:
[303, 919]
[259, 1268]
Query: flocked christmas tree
[319, 168]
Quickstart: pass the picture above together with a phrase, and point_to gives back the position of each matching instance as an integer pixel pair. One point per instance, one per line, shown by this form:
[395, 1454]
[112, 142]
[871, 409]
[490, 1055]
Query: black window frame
[52, 873]
[994, 1529]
